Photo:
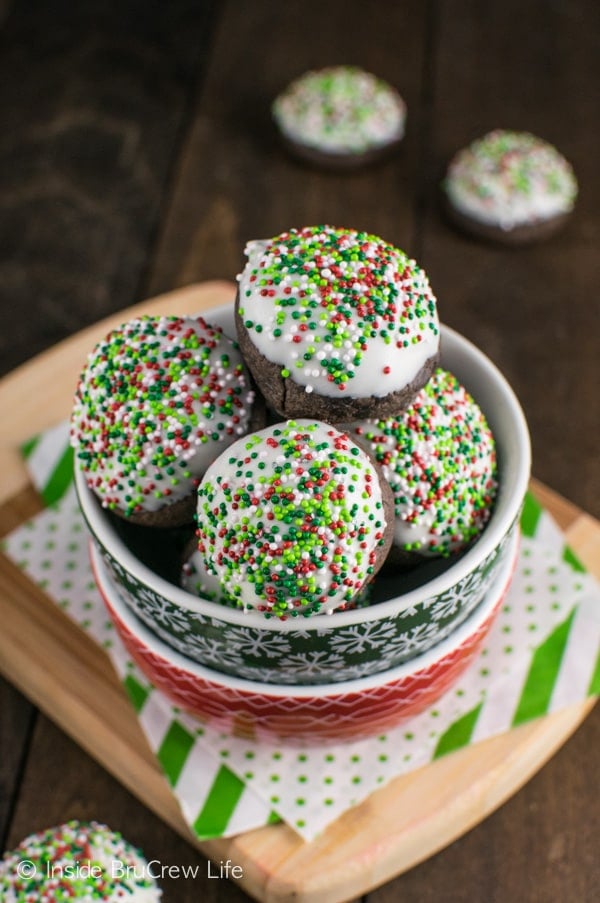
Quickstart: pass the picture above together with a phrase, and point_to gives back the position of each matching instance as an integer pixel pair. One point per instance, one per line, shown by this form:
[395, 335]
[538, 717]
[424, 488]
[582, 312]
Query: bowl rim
[510, 496]
[117, 607]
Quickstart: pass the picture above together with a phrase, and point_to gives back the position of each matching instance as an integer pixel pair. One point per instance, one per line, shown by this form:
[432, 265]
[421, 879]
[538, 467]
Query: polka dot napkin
[542, 654]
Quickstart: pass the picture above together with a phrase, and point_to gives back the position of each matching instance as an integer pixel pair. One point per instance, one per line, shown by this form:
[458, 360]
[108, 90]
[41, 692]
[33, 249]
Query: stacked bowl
[330, 677]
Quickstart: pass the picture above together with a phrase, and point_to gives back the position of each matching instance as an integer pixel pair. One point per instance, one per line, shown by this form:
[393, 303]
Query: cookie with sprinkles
[159, 399]
[294, 519]
[340, 117]
[335, 324]
[76, 861]
[509, 187]
[439, 458]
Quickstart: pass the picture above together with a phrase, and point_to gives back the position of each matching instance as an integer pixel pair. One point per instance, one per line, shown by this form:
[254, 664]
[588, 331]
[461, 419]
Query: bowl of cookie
[353, 527]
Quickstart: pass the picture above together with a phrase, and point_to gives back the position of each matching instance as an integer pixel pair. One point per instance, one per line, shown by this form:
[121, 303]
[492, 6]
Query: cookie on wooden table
[335, 324]
[509, 187]
[76, 861]
[340, 117]
[159, 399]
[439, 458]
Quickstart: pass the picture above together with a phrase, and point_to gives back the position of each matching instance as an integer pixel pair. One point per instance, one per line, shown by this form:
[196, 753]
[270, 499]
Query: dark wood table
[137, 155]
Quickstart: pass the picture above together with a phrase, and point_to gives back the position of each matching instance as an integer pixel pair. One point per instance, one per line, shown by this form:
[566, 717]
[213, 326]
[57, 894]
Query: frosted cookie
[76, 861]
[158, 401]
[335, 324]
[439, 458]
[197, 580]
[340, 117]
[510, 187]
[294, 519]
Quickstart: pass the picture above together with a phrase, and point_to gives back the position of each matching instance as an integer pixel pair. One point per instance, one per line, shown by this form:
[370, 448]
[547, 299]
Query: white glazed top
[159, 399]
[340, 109]
[509, 179]
[439, 457]
[290, 519]
[77, 862]
[341, 311]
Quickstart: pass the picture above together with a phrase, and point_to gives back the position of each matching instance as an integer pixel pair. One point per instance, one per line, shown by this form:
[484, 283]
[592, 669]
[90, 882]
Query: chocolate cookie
[509, 187]
[294, 519]
[439, 458]
[340, 117]
[335, 324]
[158, 401]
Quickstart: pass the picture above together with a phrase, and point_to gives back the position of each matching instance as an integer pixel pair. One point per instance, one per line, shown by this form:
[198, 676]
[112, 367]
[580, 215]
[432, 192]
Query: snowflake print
[253, 644]
[416, 640]
[160, 611]
[360, 637]
[311, 664]
[447, 604]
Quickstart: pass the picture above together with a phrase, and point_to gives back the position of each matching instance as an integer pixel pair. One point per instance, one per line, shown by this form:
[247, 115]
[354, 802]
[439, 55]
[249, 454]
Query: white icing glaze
[191, 397]
[198, 580]
[384, 366]
[278, 539]
[509, 179]
[340, 109]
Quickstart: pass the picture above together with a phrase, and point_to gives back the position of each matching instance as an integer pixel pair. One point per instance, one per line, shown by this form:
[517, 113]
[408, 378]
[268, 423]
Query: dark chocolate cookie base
[339, 162]
[383, 551]
[289, 399]
[175, 514]
[518, 236]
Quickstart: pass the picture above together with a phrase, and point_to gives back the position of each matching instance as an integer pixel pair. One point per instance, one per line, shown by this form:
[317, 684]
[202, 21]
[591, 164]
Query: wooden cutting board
[69, 677]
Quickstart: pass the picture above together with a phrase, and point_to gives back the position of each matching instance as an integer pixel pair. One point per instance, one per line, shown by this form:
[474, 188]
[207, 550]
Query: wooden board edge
[313, 877]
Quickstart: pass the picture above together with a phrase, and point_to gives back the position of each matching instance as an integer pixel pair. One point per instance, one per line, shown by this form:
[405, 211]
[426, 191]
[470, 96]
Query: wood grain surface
[137, 156]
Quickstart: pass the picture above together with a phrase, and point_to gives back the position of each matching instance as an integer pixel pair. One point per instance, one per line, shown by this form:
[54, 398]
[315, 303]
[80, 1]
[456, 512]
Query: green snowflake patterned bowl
[409, 613]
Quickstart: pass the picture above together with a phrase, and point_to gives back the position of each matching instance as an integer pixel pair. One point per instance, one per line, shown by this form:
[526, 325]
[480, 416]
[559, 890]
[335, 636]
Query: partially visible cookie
[439, 458]
[159, 399]
[340, 117]
[509, 187]
[294, 520]
[335, 324]
[76, 861]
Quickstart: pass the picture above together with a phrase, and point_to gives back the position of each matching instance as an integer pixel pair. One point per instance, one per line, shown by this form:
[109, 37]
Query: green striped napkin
[542, 654]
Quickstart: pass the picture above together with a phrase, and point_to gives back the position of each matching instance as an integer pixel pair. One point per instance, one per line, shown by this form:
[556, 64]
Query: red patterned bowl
[296, 714]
